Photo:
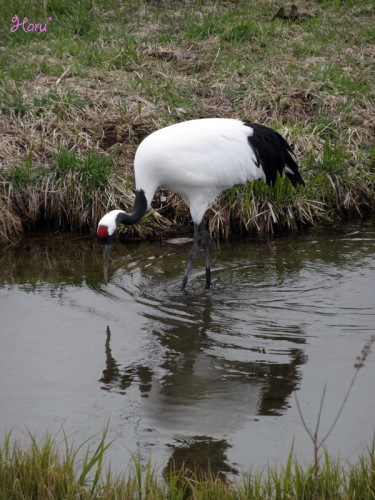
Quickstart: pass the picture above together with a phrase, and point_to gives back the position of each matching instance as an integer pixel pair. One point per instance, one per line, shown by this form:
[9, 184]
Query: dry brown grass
[64, 203]
[185, 62]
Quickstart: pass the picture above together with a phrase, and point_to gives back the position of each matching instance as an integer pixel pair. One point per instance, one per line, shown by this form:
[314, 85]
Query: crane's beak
[106, 252]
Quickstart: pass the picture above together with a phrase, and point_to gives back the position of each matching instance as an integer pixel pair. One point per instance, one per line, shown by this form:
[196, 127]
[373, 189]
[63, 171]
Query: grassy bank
[52, 470]
[78, 97]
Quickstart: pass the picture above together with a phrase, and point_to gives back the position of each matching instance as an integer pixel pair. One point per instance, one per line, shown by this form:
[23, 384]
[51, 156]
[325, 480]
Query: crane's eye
[102, 232]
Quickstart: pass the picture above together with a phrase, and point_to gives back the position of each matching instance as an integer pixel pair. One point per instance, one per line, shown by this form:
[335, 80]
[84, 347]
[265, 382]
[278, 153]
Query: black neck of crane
[138, 210]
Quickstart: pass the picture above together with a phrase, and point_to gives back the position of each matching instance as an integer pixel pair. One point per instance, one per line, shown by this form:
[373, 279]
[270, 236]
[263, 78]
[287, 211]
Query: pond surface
[195, 376]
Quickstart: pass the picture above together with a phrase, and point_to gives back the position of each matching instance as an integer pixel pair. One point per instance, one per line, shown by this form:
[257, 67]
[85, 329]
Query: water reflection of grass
[51, 470]
[76, 99]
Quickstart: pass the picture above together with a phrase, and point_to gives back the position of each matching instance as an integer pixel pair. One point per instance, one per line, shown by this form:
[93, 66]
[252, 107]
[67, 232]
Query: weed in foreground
[314, 434]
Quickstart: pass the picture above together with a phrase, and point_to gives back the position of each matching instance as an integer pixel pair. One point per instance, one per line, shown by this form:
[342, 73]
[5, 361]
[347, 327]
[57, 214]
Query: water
[205, 375]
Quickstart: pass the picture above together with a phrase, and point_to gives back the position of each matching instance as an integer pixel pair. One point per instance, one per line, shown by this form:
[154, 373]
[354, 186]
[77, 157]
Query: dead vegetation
[213, 62]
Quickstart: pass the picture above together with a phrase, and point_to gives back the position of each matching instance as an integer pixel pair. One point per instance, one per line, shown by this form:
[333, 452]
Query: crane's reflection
[216, 362]
[207, 375]
[122, 379]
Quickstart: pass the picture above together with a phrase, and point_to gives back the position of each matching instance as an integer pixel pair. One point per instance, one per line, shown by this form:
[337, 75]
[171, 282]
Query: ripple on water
[198, 374]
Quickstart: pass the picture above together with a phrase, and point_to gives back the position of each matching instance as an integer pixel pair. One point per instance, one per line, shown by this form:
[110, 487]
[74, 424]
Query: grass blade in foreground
[43, 470]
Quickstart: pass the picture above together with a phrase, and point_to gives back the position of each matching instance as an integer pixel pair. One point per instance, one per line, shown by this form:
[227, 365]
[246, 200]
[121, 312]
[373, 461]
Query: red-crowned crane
[198, 159]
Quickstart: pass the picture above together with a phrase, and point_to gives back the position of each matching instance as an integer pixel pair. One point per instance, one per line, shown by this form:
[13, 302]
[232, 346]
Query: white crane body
[198, 159]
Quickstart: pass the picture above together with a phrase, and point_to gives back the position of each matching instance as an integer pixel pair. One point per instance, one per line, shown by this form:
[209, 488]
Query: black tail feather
[295, 178]
[273, 154]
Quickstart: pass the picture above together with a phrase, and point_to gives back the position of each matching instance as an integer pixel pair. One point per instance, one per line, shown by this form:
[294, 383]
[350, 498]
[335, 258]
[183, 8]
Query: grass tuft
[50, 469]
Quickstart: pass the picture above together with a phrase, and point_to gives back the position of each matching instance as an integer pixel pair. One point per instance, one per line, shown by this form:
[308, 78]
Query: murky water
[194, 376]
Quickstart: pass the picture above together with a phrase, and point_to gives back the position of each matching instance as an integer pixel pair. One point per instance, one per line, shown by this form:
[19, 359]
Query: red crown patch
[102, 232]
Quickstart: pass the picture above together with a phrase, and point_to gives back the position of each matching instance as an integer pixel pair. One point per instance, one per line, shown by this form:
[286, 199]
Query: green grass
[53, 469]
[105, 74]
[91, 172]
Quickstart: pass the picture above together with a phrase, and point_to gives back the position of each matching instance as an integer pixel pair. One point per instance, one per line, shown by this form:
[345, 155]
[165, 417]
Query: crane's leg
[206, 241]
[192, 256]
